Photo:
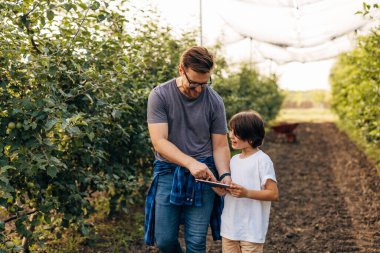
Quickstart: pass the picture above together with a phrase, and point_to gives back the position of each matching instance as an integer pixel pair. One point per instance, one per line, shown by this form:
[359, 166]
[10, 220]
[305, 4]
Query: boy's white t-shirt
[246, 219]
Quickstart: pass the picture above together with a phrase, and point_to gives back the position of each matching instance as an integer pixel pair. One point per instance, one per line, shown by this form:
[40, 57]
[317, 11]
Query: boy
[246, 210]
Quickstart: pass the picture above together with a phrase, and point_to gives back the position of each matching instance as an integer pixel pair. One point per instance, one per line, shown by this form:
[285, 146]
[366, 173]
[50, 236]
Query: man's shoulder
[214, 97]
[214, 94]
[167, 84]
[163, 88]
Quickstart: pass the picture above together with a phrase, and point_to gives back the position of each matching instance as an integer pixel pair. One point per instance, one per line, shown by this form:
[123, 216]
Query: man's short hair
[248, 126]
[198, 59]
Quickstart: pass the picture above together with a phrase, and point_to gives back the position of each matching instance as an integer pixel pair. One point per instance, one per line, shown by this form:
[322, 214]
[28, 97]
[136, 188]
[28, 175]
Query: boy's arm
[270, 193]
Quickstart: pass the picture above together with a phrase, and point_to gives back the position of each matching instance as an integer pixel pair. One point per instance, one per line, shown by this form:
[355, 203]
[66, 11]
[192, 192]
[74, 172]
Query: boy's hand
[238, 191]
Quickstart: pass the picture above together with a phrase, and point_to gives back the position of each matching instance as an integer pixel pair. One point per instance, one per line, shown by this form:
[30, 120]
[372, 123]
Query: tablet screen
[213, 184]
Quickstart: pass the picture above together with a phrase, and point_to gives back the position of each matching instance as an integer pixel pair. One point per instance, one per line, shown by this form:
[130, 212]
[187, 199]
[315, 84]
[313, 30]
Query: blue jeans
[167, 219]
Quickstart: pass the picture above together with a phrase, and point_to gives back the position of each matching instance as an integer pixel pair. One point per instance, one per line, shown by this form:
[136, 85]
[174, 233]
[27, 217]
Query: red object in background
[287, 130]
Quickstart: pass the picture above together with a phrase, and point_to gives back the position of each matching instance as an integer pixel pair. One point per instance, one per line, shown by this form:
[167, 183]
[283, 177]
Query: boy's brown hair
[198, 59]
[248, 126]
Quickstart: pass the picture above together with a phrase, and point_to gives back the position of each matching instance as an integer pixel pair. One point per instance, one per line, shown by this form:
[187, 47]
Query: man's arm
[159, 135]
[222, 155]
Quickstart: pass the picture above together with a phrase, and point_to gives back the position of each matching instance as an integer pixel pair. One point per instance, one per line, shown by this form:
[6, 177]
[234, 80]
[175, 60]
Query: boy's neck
[245, 152]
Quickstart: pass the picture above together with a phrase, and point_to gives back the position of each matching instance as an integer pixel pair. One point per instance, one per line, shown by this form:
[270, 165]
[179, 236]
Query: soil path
[329, 195]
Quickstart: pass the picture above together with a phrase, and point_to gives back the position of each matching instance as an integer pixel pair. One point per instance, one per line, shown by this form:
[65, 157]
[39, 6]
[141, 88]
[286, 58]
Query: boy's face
[237, 143]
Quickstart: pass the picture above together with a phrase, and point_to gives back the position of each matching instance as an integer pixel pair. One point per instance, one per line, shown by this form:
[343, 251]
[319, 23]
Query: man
[188, 130]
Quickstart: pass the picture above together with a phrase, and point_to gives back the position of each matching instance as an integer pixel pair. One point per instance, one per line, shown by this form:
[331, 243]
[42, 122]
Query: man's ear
[180, 69]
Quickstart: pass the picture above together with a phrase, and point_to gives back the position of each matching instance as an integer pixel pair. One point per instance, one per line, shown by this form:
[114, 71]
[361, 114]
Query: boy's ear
[252, 143]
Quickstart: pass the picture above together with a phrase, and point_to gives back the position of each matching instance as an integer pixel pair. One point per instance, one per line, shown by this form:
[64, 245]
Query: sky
[218, 15]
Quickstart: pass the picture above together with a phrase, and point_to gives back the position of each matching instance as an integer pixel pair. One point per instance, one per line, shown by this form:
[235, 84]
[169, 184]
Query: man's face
[193, 83]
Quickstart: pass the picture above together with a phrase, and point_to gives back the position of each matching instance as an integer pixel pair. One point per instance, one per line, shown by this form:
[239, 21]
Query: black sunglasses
[193, 84]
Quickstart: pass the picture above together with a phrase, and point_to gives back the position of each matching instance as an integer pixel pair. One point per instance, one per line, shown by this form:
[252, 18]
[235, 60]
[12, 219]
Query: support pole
[200, 23]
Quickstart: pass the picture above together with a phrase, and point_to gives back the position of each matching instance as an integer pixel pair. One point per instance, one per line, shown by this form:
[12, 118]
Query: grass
[121, 233]
[108, 235]
[317, 115]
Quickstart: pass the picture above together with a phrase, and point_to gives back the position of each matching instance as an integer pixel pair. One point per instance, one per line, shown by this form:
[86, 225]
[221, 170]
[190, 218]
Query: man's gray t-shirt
[190, 121]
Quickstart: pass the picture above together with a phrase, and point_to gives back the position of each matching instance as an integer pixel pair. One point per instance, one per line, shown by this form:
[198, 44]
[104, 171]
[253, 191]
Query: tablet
[213, 184]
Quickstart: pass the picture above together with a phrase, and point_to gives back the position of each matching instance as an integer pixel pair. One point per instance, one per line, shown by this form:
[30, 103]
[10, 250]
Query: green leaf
[68, 6]
[7, 167]
[47, 219]
[85, 230]
[3, 201]
[89, 98]
[73, 130]
[21, 229]
[50, 124]
[33, 125]
[4, 179]
[83, 6]
[50, 14]
[42, 20]
[116, 114]
[101, 17]
[52, 171]
[49, 102]
[18, 248]
[35, 222]
[95, 5]
[48, 142]
[91, 136]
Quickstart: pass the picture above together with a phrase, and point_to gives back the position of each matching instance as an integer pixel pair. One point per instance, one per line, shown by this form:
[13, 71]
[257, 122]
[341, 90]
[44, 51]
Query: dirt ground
[329, 195]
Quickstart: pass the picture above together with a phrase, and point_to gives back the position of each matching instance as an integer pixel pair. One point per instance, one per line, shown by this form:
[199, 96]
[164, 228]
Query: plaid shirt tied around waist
[185, 192]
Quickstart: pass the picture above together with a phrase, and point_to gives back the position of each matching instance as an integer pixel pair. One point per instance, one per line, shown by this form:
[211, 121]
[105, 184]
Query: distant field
[306, 115]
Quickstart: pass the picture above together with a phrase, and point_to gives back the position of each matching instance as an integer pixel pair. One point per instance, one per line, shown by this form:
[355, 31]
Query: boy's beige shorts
[230, 246]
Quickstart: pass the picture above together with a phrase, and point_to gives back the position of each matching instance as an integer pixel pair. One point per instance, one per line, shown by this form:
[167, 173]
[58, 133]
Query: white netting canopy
[294, 30]
[296, 39]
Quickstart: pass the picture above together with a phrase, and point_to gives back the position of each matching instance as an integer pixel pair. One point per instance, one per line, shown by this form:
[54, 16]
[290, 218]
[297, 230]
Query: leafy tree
[74, 79]
[356, 87]
[247, 89]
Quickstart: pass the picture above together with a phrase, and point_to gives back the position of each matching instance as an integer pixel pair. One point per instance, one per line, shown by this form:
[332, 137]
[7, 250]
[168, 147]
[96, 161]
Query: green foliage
[355, 84]
[74, 80]
[248, 90]
[368, 9]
